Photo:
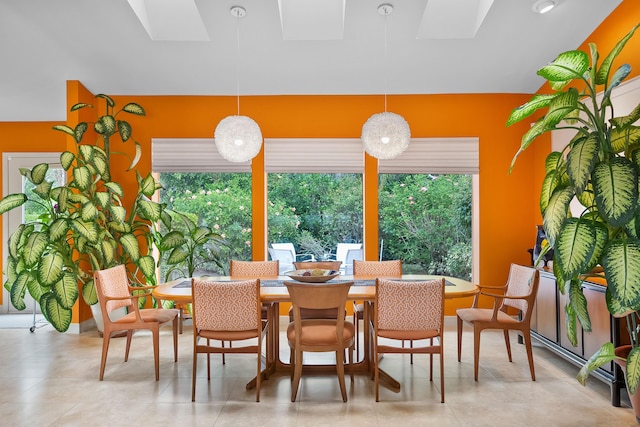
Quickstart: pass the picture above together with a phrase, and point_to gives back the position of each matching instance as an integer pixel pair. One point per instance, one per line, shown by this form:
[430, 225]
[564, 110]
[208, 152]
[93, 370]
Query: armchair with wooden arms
[519, 293]
[114, 291]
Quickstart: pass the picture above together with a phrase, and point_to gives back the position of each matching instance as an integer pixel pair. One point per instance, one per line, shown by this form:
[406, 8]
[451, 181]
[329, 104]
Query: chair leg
[156, 350]
[175, 339]
[376, 369]
[106, 337]
[259, 375]
[128, 346]
[476, 351]
[223, 361]
[292, 359]
[459, 337]
[195, 368]
[431, 360]
[508, 343]
[441, 371]
[356, 324]
[340, 369]
[209, 360]
[411, 354]
[296, 375]
[526, 336]
[351, 363]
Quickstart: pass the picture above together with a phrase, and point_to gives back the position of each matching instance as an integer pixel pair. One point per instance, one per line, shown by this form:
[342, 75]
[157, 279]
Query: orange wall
[508, 202]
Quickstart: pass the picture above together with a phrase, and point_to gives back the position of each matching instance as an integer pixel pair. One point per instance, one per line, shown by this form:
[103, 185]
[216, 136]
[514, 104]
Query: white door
[13, 182]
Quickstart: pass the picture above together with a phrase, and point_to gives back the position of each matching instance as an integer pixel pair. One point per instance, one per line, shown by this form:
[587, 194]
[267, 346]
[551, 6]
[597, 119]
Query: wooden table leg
[273, 341]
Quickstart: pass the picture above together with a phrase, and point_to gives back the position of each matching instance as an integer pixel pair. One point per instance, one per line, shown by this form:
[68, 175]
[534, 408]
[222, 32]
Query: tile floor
[51, 379]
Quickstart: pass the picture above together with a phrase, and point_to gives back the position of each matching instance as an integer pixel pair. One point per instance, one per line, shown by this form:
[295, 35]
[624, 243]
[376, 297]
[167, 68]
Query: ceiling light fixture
[238, 138]
[543, 6]
[385, 135]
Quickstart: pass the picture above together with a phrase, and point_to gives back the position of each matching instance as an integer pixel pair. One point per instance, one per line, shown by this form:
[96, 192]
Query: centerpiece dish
[316, 275]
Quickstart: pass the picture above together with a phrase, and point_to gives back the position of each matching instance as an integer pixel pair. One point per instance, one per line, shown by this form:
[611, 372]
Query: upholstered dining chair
[319, 335]
[252, 270]
[227, 311]
[413, 311]
[388, 268]
[519, 293]
[114, 292]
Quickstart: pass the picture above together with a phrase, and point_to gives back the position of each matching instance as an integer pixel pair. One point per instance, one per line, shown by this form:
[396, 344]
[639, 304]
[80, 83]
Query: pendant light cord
[384, 67]
[238, 63]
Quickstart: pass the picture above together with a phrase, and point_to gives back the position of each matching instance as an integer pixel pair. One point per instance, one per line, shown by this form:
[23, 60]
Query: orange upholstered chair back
[410, 305]
[390, 268]
[112, 282]
[226, 306]
[254, 268]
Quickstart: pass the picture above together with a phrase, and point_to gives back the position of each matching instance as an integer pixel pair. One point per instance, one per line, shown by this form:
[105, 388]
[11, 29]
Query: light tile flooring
[51, 379]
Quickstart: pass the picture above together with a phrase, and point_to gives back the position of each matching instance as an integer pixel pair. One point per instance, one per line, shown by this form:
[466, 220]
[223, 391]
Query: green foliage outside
[425, 220]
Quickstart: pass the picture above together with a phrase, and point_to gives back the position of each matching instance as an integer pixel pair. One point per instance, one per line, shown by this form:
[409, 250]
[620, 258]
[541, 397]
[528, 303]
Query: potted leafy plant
[600, 167]
[186, 247]
[85, 227]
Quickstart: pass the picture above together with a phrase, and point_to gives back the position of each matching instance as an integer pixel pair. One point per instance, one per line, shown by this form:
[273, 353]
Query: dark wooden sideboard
[548, 326]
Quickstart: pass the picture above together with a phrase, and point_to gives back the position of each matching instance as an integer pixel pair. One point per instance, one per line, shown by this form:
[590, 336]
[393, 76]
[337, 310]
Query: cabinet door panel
[600, 323]
[547, 308]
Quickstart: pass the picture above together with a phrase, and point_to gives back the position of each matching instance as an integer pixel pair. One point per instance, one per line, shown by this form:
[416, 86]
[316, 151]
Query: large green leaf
[64, 128]
[134, 108]
[130, 245]
[106, 125]
[171, 240]
[621, 138]
[18, 291]
[58, 229]
[632, 372]
[16, 240]
[605, 355]
[102, 198]
[600, 241]
[615, 184]
[571, 324]
[124, 128]
[525, 110]
[89, 293]
[82, 178]
[567, 66]
[39, 173]
[629, 119]
[66, 290]
[88, 230]
[57, 315]
[114, 188]
[148, 185]
[201, 235]
[575, 246]
[535, 131]
[556, 213]
[34, 248]
[147, 265]
[149, 210]
[66, 159]
[79, 131]
[579, 303]
[621, 263]
[108, 247]
[34, 288]
[86, 151]
[561, 106]
[12, 201]
[43, 189]
[89, 212]
[50, 269]
[101, 165]
[603, 72]
[119, 213]
[580, 161]
[62, 198]
[177, 255]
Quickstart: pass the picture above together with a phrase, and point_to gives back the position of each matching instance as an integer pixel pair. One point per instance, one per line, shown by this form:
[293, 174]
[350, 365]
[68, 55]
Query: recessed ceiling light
[543, 6]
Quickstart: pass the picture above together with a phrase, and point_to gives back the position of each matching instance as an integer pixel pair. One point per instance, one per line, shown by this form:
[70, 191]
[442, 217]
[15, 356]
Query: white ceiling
[44, 43]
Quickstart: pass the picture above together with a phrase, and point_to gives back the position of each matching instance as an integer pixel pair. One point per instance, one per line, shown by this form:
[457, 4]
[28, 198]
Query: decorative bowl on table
[316, 275]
